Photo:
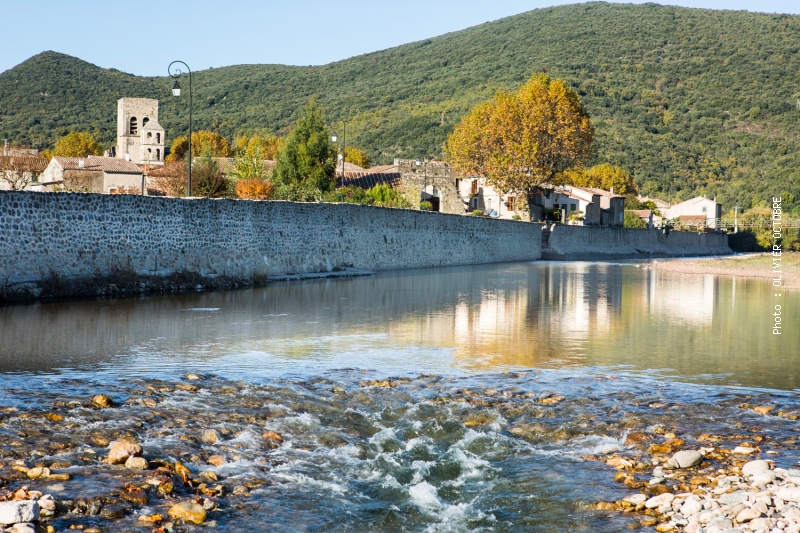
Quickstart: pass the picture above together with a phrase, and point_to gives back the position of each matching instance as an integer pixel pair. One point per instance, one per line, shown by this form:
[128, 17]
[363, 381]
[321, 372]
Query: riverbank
[745, 266]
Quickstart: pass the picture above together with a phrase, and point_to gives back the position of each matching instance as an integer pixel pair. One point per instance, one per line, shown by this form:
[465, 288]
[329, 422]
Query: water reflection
[438, 320]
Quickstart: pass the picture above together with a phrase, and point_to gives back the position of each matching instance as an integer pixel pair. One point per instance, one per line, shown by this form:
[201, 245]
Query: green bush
[633, 221]
[425, 206]
[478, 212]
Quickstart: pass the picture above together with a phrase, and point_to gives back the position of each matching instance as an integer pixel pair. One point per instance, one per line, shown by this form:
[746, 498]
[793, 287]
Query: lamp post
[736, 219]
[344, 147]
[176, 91]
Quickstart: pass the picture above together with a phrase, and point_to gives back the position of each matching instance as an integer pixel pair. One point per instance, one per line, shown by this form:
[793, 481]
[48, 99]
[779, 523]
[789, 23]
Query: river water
[457, 399]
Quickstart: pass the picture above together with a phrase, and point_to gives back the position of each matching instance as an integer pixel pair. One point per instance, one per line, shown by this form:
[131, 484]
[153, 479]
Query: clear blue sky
[144, 38]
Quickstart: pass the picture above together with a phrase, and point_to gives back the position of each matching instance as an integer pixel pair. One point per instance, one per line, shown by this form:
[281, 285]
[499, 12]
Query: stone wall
[431, 174]
[86, 235]
[578, 243]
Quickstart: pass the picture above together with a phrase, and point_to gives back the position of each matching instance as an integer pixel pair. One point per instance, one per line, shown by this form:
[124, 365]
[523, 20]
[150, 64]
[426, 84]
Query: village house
[699, 211]
[20, 172]
[91, 174]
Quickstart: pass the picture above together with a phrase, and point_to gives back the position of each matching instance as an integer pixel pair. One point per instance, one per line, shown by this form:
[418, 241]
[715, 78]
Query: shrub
[478, 212]
[516, 217]
[388, 197]
[633, 221]
[207, 180]
[254, 189]
[425, 206]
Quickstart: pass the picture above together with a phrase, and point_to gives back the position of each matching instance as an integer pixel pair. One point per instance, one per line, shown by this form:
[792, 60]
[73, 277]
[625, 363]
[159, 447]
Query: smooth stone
[763, 479]
[755, 467]
[216, 460]
[113, 512]
[209, 436]
[188, 512]
[24, 527]
[47, 503]
[691, 507]
[746, 515]
[685, 459]
[658, 501]
[18, 511]
[139, 463]
[733, 497]
[789, 494]
[635, 499]
[102, 401]
[657, 481]
[744, 450]
[121, 450]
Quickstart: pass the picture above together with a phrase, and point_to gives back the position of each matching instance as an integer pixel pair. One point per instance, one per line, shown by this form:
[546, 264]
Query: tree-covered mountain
[689, 100]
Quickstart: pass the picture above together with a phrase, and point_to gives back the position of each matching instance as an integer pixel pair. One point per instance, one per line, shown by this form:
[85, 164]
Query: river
[482, 398]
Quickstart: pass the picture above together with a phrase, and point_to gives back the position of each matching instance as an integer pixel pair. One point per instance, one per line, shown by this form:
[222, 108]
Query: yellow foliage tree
[254, 189]
[204, 143]
[521, 141]
[605, 176]
[257, 145]
[77, 144]
[357, 157]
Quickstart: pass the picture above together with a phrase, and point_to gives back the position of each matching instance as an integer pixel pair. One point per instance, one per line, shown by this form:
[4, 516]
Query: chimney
[612, 190]
[127, 157]
[80, 163]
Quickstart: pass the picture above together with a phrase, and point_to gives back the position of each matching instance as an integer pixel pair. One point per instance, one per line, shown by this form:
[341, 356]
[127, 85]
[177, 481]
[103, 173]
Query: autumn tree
[16, 172]
[605, 176]
[267, 147]
[207, 178]
[305, 167]
[522, 141]
[77, 144]
[204, 142]
[357, 156]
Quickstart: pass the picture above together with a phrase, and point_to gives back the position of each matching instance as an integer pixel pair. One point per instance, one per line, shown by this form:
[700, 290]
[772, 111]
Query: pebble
[24, 527]
[139, 463]
[18, 511]
[210, 436]
[685, 459]
[745, 515]
[188, 512]
[744, 450]
[102, 401]
[121, 450]
[216, 460]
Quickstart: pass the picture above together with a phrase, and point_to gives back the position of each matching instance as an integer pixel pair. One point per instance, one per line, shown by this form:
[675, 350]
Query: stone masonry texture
[84, 235]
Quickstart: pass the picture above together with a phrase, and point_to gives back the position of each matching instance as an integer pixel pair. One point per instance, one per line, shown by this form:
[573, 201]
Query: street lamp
[334, 138]
[735, 219]
[176, 91]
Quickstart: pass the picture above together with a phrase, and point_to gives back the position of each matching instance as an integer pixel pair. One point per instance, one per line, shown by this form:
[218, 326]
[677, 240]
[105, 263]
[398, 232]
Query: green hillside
[689, 100]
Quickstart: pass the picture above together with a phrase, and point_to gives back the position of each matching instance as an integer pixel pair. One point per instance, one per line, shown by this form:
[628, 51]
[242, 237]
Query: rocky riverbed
[353, 450]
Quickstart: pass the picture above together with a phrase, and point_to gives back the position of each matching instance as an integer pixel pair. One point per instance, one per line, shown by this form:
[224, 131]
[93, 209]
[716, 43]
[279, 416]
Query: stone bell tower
[140, 138]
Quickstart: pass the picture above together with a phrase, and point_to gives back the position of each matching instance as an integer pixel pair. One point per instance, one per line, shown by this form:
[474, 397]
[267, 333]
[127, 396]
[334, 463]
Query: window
[512, 203]
[158, 154]
[573, 207]
[149, 135]
[158, 138]
[705, 209]
[134, 126]
[145, 120]
[474, 187]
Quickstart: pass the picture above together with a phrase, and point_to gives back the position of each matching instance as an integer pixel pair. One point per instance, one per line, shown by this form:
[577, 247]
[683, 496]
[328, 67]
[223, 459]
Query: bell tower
[140, 138]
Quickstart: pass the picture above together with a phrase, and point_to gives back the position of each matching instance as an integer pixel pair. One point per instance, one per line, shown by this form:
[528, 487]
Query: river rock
[102, 401]
[658, 501]
[139, 463]
[18, 511]
[789, 494]
[755, 467]
[216, 460]
[24, 527]
[745, 515]
[188, 512]
[744, 450]
[685, 459]
[635, 499]
[121, 450]
[209, 436]
[733, 497]
[691, 506]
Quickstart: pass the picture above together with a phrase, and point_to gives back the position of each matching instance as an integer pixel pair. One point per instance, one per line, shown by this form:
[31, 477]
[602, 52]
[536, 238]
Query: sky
[143, 36]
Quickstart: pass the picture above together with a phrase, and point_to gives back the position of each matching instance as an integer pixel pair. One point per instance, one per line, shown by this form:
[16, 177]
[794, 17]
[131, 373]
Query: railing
[742, 223]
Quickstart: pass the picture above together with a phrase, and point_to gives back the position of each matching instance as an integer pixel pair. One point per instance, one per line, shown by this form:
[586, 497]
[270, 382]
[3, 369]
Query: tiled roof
[692, 220]
[23, 163]
[152, 125]
[168, 170]
[642, 213]
[97, 163]
[366, 179]
[659, 203]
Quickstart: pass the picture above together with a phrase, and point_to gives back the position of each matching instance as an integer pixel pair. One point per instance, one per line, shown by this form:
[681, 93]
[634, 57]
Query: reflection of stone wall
[82, 235]
[578, 243]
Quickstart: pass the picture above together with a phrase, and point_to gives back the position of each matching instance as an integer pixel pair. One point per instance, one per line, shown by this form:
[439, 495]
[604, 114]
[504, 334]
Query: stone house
[600, 207]
[20, 172]
[97, 174]
[699, 207]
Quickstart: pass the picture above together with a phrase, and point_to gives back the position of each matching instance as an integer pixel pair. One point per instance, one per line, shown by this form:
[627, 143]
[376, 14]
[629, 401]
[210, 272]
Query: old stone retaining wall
[578, 243]
[85, 235]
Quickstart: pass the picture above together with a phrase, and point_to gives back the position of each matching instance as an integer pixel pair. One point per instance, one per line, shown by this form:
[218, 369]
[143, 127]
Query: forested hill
[691, 101]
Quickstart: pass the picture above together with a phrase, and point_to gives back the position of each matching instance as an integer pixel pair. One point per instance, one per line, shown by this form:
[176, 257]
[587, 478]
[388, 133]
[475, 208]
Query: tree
[207, 179]
[248, 165]
[203, 142]
[524, 140]
[267, 147]
[306, 164]
[16, 173]
[605, 176]
[77, 144]
[254, 189]
[357, 157]
[180, 146]
[632, 220]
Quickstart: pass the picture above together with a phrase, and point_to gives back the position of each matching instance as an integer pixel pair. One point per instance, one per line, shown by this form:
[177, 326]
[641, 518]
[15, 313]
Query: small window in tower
[149, 154]
[474, 187]
[134, 126]
[158, 154]
[149, 135]
[158, 138]
[145, 120]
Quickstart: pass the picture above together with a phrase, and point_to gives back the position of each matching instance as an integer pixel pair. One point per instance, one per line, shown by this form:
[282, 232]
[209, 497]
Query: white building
[91, 174]
[696, 208]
